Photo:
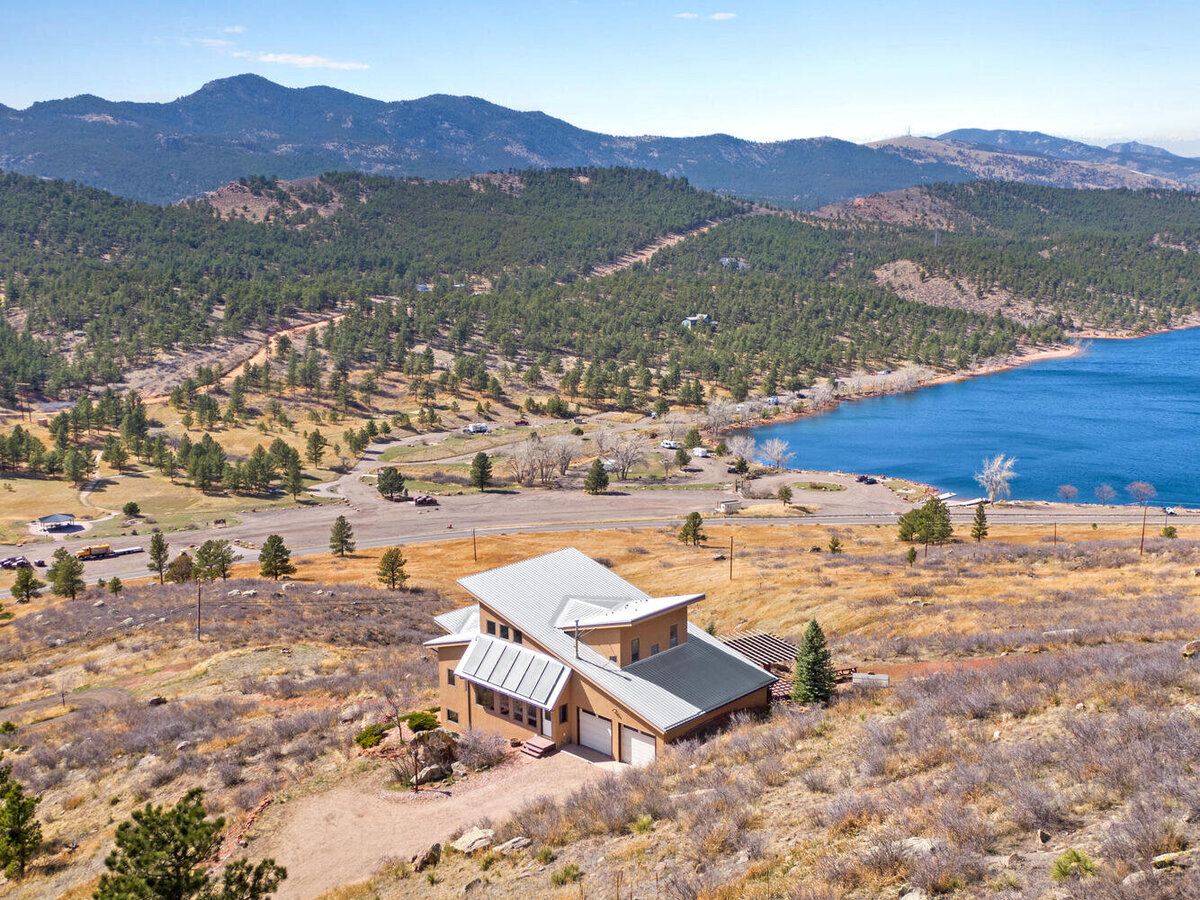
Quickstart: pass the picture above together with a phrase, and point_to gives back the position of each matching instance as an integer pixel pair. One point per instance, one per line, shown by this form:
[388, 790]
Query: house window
[518, 638]
[518, 710]
[674, 636]
[635, 650]
[653, 649]
[450, 677]
[451, 716]
[484, 697]
[531, 715]
[562, 714]
[504, 632]
[491, 627]
[504, 709]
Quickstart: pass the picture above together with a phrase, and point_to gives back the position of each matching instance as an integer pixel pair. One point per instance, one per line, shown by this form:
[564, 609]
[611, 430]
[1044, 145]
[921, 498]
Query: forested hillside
[492, 267]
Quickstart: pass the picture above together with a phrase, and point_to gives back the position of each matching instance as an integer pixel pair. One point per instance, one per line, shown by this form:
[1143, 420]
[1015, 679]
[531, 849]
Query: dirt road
[343, 835]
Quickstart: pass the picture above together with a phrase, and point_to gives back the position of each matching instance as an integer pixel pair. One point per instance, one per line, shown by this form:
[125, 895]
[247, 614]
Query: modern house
[697, 319]
[559, 650]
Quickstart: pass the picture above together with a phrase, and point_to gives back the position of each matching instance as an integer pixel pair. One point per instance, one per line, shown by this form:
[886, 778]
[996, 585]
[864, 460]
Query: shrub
[482, 749]
[372, 735]
[642, 824]
[1071, 864]
[568, 874]
[545, 856]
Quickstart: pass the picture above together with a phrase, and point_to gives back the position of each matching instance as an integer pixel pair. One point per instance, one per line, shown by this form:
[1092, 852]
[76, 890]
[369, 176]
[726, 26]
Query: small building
[728, 506]
[56, 522]
[698, 319]
[559, 650]
[700, 453]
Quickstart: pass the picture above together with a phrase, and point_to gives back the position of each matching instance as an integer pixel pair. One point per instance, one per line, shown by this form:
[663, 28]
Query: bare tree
[675, 425]
[628, 454]
[822, 394]
[606, 441]
[742, 446]
[1105, 493]
[776, 452]
[996, 474]
[720, 414]
[1141, 491]
[565, 448]
[1067, 492]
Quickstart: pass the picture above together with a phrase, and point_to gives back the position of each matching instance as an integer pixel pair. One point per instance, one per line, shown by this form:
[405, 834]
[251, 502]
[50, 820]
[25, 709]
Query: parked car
[426, 501]
[521, 422]
[670, 445]
[871, 480]
[861, 479]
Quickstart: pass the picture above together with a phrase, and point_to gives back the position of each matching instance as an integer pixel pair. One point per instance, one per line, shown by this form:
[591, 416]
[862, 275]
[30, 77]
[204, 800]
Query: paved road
[378, 523]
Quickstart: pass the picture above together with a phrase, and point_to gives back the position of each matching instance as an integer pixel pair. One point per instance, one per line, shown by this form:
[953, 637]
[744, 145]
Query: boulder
[1180, 859]
[98, 603]
[923, 846]
[349, 713]
[1191, 648]
[914, 894]
[472, 886]
[458, 769]
[182, 745]
[517, 843]
[428, 859]
[435, 772]
[474, 839]
[234, 593]
[1043, 836]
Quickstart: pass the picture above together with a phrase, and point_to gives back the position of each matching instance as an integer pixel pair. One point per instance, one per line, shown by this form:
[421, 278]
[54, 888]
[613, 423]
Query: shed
[55, 521]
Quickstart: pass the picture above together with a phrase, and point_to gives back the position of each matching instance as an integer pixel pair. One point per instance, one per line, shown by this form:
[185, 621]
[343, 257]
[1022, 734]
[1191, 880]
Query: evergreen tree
[390, 482]
[682, 458]
[929, 523]
[66, 575]
[27, 586]
[275, 559]
[815, 680]
[481, 471]
[341, 537]
[784, 494]
[315, 446]
[596, 481]
[181, 569]
[163, 854]
[214, 559]
[20, 832]
[391, 568]
[115, 585]
[979, 527]
[692, 532]
[160, 554]
[293, 479]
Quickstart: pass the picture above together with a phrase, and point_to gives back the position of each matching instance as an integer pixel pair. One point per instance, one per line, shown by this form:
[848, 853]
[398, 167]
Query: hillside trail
[642, 254]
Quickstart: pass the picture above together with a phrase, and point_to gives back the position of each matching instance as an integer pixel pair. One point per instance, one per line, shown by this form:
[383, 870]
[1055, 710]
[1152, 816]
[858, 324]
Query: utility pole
[1056, 533]
[198, 609]
[474, 547]
[1142, 543]
[731, 557]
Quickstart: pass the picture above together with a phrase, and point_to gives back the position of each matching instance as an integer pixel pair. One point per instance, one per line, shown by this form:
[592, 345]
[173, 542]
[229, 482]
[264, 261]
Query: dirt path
[644, 253]
[343, 835]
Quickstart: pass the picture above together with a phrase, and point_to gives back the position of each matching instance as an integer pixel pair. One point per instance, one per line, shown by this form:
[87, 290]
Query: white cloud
[723, 16]
[300, 60]
[234, 29]
[686, 16]
[215, 43]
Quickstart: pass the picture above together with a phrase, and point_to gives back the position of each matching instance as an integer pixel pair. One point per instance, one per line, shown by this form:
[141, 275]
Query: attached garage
[637, 747]
[595, 732]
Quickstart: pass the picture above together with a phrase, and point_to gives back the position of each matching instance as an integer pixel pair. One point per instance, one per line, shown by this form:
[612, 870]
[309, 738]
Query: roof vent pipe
[577, 639]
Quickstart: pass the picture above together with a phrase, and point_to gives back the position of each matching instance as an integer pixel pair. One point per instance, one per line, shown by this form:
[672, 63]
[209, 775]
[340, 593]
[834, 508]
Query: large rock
[435, 772]
[517, 843]
[428, 859]
[349, 713]
[1180, 859]
[474, 839]
[923, 846]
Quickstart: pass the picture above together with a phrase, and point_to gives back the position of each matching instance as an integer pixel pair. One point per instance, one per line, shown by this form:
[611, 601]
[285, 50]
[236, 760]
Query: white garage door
[595, 732]
[637, 748]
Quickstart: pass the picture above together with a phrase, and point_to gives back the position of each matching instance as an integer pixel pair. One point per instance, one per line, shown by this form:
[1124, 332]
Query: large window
[484, 697]
[635, 650]
[518, 637]
[674, 636]
[653, 649]
[504, 632]
[451, 715]
[491, 627]
[562, 714]
[450, 677]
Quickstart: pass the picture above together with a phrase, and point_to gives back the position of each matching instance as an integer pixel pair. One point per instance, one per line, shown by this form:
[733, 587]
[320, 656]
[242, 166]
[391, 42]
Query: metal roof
[685, 682]
[514, 670]
[605, 612]
[56, 519]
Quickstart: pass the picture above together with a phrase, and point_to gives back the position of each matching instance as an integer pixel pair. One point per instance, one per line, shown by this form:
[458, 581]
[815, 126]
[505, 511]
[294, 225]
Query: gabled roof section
[515, 670]
[461, 625]
[684, 683]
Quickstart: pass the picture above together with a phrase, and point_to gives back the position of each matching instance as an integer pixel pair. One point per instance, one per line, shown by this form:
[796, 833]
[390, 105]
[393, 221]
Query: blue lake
[1123, 411]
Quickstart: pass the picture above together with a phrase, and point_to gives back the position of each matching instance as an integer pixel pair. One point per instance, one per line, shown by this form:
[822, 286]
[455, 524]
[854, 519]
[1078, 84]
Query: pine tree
[979, 527]
[214, 559]
[315, 447]
[815, 680]
[293, 479]
[481, 471]
[163, 854]
[66, 575]
[390, 482]
[596, 481]
[275, 559]
[27, 586]
[160, 554]
[391, 568]
[692, 532]
[115, 585]
[341, 536]
[20, 833]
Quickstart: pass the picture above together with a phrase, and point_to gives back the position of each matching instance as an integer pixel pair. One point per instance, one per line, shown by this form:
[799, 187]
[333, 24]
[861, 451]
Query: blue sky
[861, 69]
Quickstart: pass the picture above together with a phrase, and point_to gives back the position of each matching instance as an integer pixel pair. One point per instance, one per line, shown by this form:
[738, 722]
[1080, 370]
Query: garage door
[637, 747]
[595, 732]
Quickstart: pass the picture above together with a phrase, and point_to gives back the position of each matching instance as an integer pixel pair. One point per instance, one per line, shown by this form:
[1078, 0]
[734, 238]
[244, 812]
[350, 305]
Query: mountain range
[246, 124]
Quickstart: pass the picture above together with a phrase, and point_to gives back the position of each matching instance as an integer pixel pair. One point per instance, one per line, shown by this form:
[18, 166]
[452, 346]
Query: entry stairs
[538, 747]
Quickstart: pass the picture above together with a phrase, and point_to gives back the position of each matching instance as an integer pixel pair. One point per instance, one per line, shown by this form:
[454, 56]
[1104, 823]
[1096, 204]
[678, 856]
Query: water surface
[1126, 410]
